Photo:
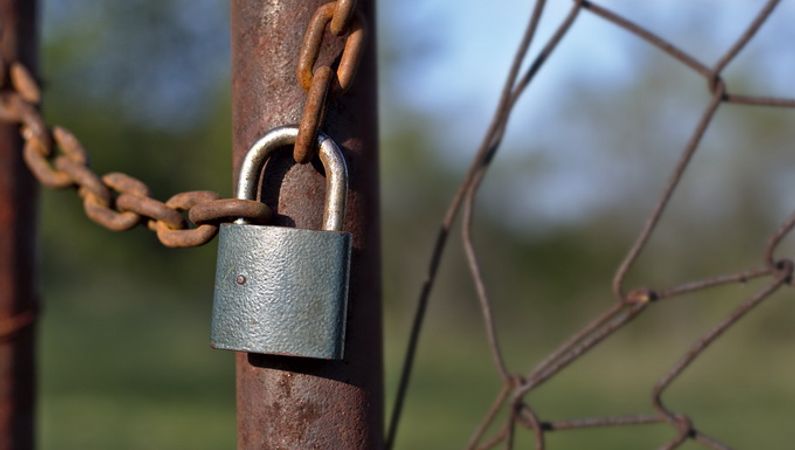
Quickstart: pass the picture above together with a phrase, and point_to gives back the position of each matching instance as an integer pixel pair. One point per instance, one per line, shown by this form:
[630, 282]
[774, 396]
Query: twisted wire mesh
[629, 303]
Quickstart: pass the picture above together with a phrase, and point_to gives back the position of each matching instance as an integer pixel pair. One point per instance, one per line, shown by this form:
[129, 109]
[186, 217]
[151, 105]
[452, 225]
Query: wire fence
[511, 400]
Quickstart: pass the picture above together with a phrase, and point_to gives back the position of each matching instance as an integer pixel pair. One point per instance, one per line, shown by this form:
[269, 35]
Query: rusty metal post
[285, 402]
[18, 298]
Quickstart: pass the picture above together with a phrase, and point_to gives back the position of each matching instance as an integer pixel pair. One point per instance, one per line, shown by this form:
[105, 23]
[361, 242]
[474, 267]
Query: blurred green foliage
[124, 357]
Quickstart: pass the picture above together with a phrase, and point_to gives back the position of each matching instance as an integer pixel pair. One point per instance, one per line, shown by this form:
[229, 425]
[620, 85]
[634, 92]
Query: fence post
[285, 402]
[18, 296]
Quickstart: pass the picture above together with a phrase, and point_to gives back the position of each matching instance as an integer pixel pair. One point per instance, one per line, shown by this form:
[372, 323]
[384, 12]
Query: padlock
[281, 290]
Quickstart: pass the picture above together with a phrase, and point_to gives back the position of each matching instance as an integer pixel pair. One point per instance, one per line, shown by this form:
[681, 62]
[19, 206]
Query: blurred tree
[144, 85]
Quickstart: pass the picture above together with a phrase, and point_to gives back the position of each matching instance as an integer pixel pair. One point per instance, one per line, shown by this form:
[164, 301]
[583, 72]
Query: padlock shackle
[333, 163]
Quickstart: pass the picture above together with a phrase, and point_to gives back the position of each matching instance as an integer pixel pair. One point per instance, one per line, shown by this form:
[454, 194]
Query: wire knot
[640, 296]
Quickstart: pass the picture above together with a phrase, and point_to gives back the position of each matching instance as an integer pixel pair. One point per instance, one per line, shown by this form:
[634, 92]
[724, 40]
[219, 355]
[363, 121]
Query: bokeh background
[124, 357]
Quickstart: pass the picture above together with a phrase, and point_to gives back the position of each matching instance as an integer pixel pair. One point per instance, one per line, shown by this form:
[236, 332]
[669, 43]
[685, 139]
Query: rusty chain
[339, 17]
[115, 200]
[118, 201]
[10, 326]
[510, 402]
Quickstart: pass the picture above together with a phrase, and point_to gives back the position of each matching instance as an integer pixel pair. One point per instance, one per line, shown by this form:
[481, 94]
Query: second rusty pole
[18, 225]
[293, 403]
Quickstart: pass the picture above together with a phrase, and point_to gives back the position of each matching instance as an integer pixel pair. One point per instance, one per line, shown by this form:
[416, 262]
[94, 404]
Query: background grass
[124, 356]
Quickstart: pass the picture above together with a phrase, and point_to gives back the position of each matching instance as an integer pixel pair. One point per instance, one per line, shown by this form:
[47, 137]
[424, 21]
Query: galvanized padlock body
[282, 290]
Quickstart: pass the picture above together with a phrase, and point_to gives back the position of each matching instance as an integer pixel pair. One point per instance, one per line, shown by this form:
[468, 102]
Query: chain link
[115, 200]
[227, 210]
[339, 16]
[11, 326]
[343, 14]
[119, 202]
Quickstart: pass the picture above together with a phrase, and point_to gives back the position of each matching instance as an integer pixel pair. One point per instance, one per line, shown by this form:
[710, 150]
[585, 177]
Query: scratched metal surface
[281, 291]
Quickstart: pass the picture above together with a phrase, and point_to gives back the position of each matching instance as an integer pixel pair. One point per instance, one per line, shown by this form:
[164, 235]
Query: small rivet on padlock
[281, 290]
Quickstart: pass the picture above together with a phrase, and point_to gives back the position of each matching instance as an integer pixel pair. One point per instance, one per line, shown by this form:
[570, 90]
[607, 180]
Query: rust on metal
[70, 145]
[57, 159]
[18, 202]
[511, 402]
[184, 238]
[34, 155]
[343, 13]
[87, 181]
[108, 217]
[285, 402]
[310, 49]
[123, 183]
[351, 54]
[149, 207]
[10, 326]
[184, 202]
[312, 117]
[230, 209]
[24, 83]
[316, 81]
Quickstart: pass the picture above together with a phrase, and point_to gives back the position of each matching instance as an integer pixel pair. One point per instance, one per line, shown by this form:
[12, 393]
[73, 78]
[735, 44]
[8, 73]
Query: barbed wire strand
[628, 304]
